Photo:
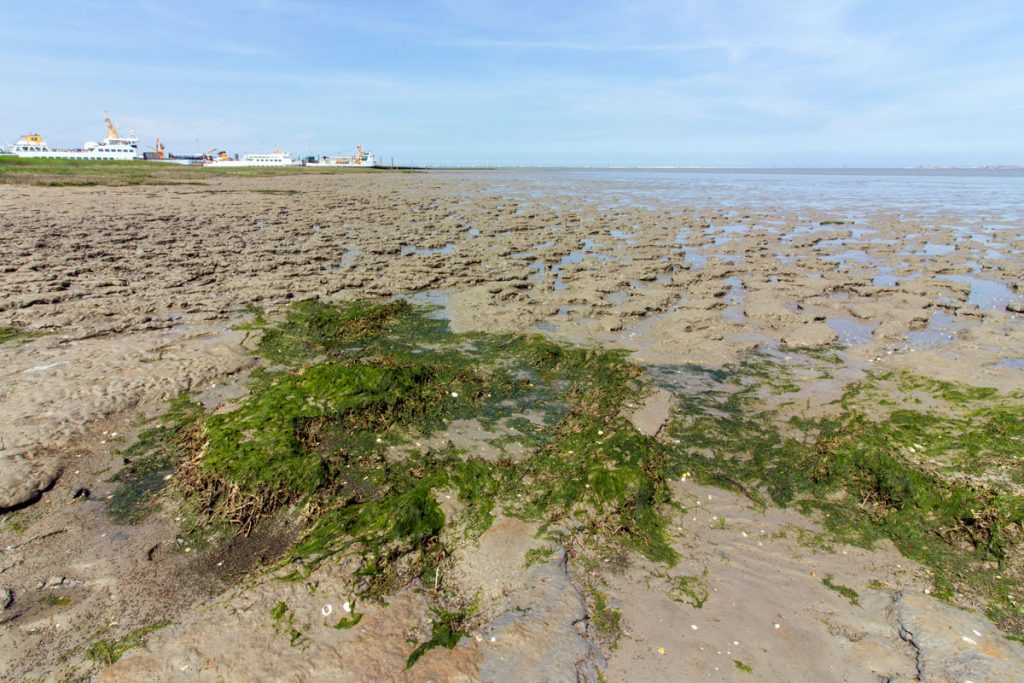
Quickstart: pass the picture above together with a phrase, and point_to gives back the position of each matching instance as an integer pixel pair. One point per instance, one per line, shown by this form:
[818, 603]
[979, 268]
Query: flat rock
[655, 411]
[954, 645]
[809, 335]
[22, 479]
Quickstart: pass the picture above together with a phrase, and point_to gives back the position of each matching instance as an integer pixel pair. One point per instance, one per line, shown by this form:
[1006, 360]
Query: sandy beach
[122, 298]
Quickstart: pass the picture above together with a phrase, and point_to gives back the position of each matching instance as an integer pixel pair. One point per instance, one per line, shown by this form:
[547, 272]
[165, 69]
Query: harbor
[115, 147]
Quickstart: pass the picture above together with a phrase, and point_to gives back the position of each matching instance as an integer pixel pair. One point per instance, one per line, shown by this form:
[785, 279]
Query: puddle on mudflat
[735, 297]
[618, 298]
[730, 228]
[539, 274]
[941, 329]
[988, 294]
[437, 299]
[408, 249]
[1017, 363]
[851, 332]
[849, 256]
[934, 249]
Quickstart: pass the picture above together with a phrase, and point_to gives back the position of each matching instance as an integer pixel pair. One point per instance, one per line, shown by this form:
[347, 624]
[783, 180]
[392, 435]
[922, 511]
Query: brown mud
[136, 291]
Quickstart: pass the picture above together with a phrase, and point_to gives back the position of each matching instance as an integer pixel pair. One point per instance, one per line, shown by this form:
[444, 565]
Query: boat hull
[80, 154]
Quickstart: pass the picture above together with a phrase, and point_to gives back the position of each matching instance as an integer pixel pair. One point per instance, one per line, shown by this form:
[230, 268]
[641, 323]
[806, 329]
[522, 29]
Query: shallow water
[985, 293]
[993, 197]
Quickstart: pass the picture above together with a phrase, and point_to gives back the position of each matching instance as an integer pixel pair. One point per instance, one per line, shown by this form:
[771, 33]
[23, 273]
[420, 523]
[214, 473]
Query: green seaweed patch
[538, 555]
[852, 596]
[942, 484]
[745, 668]
[327, 428]
[349, 622]
[690, 590]
[149, 462]
[18, 335]
[607, 620]
[447, 628]
[283, 621]
[106, 652]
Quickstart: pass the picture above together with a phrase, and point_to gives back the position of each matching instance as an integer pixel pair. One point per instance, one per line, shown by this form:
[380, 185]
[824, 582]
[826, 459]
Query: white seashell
[326, 610]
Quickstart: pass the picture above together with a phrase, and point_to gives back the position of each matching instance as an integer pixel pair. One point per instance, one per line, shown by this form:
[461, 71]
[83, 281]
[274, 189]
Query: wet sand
[137, 289]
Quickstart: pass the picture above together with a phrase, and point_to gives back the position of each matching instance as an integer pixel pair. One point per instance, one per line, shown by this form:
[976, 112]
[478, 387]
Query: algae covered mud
[514, 426]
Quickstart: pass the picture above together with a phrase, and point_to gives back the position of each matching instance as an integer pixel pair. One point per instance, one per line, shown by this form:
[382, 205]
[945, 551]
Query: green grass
[72, 173]
[106, 652]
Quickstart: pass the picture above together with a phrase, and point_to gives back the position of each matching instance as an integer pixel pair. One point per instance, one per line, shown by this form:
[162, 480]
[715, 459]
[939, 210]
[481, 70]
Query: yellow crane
[159, 149]
[208, 154]
[111, 128]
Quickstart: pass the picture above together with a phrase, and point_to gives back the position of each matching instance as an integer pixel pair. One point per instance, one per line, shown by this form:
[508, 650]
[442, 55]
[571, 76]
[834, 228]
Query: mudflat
[826, 402]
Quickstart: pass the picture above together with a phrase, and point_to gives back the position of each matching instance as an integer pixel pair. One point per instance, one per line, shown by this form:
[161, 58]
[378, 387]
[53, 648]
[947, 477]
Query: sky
[648, 82]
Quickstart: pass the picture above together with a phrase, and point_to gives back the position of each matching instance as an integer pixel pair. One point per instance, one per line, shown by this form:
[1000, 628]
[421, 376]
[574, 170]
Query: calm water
[994, 198]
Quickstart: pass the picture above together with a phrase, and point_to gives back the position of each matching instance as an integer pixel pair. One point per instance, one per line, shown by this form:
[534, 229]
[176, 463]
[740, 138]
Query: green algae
[852, 596]
[149, 462]
[17, 335]
[447, 628]
[606, 619]
[327, 432]
[935, 469]
[106, 652]
[690, 590]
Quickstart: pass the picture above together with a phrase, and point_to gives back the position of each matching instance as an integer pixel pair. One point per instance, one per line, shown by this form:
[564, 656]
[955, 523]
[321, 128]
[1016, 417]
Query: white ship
[113, 147]
[278, 158]
[361, 159]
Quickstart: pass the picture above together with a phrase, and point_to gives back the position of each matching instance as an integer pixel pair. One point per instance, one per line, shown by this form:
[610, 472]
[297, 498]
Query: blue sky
[715, 82]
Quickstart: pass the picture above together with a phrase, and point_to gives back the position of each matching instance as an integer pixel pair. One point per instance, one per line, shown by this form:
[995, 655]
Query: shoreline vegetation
[327, 429]
[76, 173]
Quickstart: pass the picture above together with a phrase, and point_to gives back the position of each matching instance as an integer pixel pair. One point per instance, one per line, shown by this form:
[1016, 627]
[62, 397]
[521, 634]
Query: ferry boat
[361, 159]
[278, 158]
[113, 147]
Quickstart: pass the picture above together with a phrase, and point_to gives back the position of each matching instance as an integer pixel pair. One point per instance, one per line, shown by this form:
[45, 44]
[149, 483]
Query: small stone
[54, 582]
[81, 493]
[6, 598]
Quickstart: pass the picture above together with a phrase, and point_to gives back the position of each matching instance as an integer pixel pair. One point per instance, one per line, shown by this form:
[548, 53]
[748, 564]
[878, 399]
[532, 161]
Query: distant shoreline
[795, 170]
